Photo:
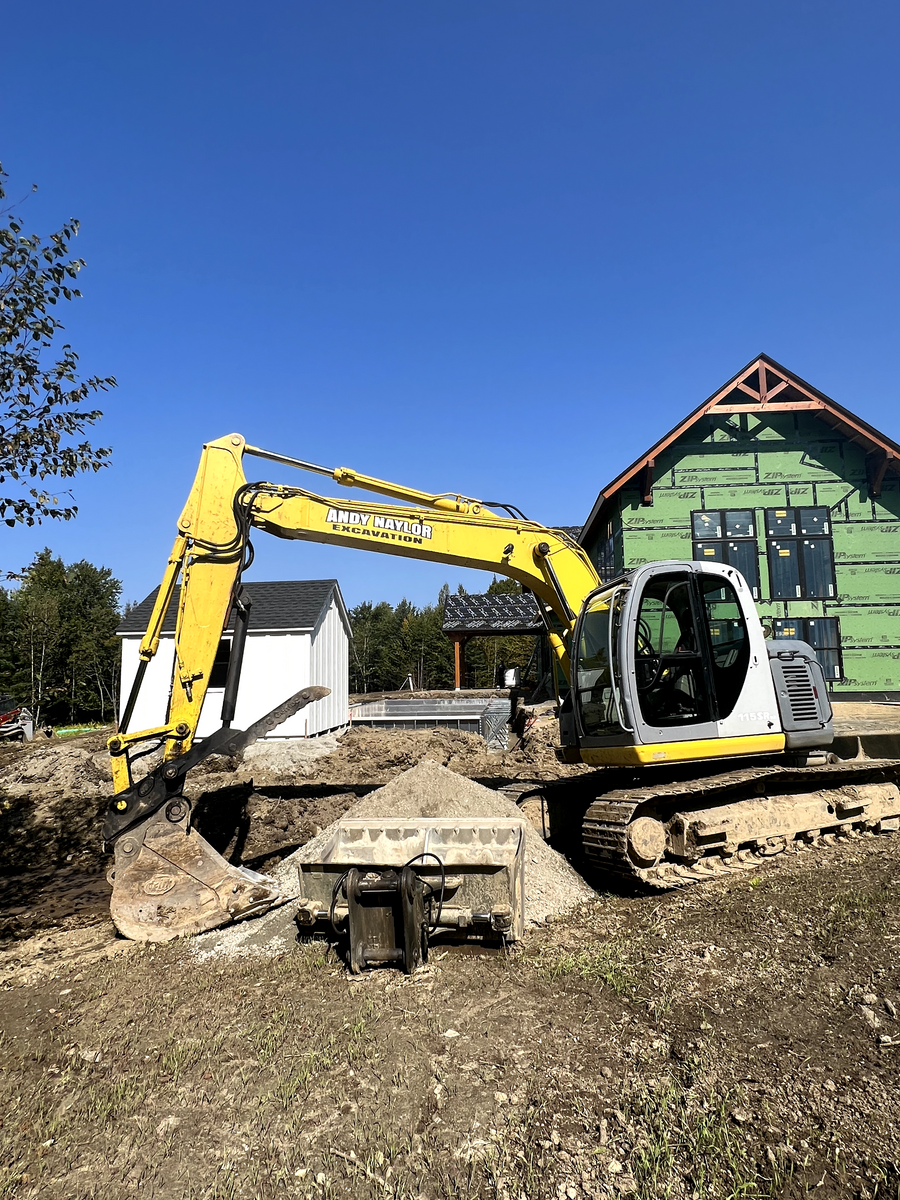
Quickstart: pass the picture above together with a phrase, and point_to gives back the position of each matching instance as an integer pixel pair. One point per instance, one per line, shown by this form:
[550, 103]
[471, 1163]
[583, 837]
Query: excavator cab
[671, 664]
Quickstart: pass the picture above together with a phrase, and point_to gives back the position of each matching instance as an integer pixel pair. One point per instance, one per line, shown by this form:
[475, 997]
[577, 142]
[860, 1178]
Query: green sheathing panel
[874, 671]
[865, 541]
[887, 506]
[739, 461]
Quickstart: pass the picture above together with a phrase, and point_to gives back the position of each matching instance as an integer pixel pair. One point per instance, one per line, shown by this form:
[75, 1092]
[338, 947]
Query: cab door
[694, 659]
[669, 676]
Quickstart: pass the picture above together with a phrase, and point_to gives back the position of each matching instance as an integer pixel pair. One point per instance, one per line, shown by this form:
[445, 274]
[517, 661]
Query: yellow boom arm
[210, 549]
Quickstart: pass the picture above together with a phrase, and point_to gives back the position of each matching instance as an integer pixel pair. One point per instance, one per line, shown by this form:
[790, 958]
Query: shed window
[219, 672]
[801, 554]
[728, 536]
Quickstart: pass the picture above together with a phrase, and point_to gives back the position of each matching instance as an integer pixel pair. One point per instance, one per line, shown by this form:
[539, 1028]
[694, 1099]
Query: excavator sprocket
[168, 881]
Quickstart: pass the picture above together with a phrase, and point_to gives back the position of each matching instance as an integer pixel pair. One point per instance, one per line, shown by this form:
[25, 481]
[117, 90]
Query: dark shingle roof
[281, 604]
[499, 614]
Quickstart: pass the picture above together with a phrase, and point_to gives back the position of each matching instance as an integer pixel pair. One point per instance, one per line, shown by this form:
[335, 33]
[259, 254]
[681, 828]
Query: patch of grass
[68, 731]
[104, 1099]
[609, 963]
[683, 1135]
[181, 1055]
[850, 913]
[326, 1052]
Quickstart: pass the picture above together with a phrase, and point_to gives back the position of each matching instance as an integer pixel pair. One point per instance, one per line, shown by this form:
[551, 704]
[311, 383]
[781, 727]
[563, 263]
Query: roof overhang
[170, 633]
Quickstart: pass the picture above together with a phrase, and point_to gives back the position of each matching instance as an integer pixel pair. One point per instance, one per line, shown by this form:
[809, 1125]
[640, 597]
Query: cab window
[729, 641]
[596, 698]
[668, 655]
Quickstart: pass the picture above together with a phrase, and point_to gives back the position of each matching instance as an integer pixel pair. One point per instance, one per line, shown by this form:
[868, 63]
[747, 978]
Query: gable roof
[503, 613]
[277, 606]
[762, 386]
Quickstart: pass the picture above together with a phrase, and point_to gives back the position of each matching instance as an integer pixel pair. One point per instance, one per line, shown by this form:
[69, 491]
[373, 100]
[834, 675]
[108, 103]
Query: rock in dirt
[869, 1016]
[284, 758]
[427, 790]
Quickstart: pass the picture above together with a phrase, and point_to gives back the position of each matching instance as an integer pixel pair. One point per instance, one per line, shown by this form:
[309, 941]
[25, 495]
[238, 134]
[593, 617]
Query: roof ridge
[278, 604]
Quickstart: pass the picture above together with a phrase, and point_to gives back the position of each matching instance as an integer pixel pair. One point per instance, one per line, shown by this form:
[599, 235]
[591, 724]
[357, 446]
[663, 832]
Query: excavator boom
[167, 880]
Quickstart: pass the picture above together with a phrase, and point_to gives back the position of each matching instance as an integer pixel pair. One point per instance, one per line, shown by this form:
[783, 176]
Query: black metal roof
[279, 605]
[492, 614]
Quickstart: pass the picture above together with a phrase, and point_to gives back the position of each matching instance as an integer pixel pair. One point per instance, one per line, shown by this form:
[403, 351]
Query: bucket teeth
[168, 882]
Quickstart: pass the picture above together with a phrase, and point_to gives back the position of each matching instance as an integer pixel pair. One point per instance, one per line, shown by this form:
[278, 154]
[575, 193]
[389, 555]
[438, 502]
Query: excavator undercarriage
[672, 827]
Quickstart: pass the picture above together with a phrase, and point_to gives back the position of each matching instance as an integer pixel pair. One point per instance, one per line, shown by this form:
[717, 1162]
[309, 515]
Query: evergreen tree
[372, 626]
[90, 614]
[391, 644]
[58, 651]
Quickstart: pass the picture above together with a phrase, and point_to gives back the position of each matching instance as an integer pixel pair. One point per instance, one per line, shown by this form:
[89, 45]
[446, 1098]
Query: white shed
[299, 634]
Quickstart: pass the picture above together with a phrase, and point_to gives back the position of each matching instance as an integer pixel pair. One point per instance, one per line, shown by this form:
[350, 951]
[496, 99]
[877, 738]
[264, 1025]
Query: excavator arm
[167, 879]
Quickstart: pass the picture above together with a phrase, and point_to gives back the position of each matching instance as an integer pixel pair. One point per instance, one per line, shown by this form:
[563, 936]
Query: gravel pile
[427, 790]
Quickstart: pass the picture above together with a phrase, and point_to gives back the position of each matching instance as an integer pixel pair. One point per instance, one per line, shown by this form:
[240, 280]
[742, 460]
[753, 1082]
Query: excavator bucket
[168, 881]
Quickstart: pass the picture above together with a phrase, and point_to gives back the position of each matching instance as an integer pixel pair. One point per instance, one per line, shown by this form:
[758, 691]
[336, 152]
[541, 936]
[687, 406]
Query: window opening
[822, 633]
[728, 536]
[605, 554]
[801, 553]
[219, 672]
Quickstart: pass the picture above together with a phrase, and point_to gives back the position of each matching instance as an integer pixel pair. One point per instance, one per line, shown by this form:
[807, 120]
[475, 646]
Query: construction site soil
[740, 1039]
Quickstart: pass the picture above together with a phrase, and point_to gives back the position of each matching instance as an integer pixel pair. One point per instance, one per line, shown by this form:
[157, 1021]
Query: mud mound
[58, 770]
[365, 756]
[427, 790]
[52, 797]
[250, 827]
[273, 798]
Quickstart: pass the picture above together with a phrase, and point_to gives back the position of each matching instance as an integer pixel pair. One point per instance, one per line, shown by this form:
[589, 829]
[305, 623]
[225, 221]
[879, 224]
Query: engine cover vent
[800, 692]
[803, 702]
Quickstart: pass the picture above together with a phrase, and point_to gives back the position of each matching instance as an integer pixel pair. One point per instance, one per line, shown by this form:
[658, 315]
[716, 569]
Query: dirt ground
[739, 1040]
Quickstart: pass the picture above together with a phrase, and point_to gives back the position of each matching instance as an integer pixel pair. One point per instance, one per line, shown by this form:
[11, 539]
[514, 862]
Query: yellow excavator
[714, 746]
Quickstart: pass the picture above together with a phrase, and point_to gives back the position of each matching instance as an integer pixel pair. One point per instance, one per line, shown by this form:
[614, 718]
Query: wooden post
[459, 660]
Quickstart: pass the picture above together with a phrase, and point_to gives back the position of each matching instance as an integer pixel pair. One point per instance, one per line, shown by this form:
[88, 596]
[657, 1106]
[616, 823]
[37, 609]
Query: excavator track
[682, 831]
[625, 830]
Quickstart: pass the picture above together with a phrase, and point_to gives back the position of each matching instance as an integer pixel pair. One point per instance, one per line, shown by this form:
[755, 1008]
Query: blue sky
[493, 246]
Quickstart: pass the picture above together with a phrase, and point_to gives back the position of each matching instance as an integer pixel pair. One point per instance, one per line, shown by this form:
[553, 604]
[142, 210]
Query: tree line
[392, 644]
[59, 654]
